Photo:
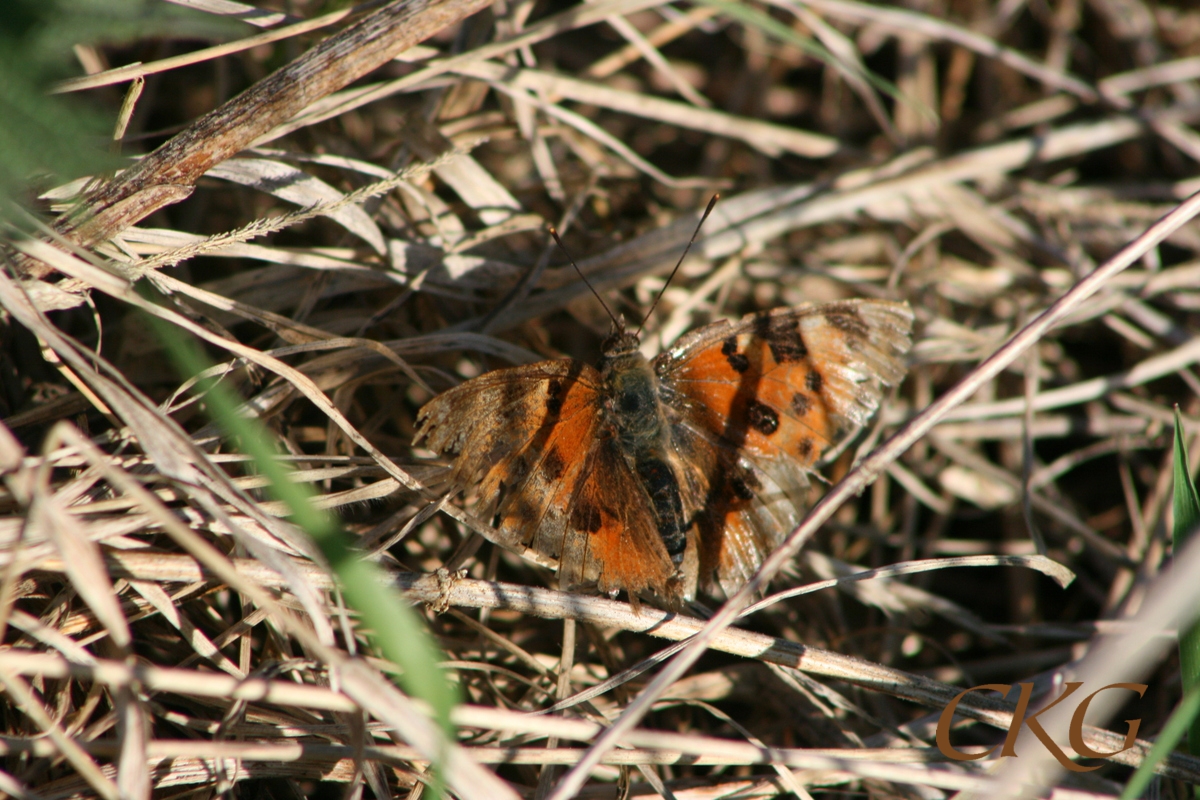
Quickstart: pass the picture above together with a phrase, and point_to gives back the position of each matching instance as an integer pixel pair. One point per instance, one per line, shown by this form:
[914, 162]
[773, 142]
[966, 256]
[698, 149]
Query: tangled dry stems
[1028, 144]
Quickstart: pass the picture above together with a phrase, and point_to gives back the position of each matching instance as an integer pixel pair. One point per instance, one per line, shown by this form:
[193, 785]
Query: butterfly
[676, 473]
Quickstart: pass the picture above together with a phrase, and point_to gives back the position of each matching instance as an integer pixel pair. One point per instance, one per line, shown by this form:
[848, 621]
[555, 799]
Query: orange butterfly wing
[548, 466]
[750, 407]
[755, 403]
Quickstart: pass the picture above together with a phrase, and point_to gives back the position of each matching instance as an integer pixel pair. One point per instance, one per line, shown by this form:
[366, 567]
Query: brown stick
[224, 131]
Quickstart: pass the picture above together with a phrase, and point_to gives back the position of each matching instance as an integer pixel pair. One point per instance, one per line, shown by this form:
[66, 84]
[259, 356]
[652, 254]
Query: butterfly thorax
[631, 391]
[632, 404]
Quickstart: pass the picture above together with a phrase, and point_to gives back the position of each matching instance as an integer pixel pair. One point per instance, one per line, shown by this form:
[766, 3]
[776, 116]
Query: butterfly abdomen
[659, 481]
[641, 434]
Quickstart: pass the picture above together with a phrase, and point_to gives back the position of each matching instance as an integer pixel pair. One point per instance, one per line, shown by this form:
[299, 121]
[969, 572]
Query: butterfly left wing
[612, 541]
[550, 473]
[754, 404]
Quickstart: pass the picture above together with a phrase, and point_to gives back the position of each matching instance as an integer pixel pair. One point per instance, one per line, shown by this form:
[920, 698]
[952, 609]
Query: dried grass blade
[903, 21]
[770, 138]
[162, 602]
[1170, 603]
[335, 62]
[296, 186]
[140, 70]
[579, 16]
[133, 779]
[122, 290]
[85, 565]
[22, 696]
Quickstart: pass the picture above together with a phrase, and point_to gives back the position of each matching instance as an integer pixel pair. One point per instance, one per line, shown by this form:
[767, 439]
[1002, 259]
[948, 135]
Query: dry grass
[365, 235]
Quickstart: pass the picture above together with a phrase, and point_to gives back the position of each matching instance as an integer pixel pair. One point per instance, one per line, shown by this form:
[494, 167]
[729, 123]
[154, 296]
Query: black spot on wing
[515, 513]
[847, 320]
[782, 335]
[737, 361]
[554, 399]
[762, 417]
[800, 404]
[814, 381]
[744, 484]
[553, 464]
[585, 516]
[805, 448]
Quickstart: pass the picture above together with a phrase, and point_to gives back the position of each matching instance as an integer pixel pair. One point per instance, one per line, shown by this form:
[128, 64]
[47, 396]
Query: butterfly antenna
[607, 310]
[679, 263]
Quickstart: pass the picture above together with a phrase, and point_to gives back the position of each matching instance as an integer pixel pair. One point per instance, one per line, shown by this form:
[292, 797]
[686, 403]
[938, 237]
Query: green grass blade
[1168, 737]
[749, 15]
[393, 627]
[1187, 519]
[1186, 717]
[1187, 502]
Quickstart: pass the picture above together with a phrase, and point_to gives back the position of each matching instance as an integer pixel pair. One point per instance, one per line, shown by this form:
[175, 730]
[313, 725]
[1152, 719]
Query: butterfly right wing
[757, 402]
[548, 466]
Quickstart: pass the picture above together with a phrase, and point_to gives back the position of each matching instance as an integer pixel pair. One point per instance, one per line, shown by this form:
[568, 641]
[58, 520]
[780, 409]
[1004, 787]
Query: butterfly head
[620, 341]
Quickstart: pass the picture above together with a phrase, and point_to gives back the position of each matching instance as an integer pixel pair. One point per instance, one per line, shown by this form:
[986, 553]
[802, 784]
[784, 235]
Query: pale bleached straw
[596, 611]
[136, 70]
